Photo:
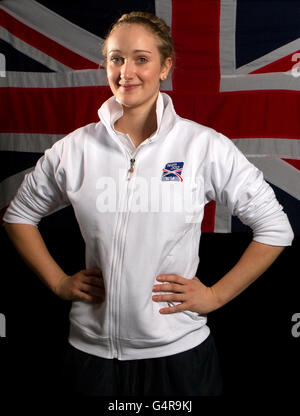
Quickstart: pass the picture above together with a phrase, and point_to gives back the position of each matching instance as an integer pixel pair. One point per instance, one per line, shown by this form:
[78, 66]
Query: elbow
[6, 225]
[12, 227]
[9, 228]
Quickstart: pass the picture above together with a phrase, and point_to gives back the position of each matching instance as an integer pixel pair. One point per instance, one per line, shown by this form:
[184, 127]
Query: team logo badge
[172, 172]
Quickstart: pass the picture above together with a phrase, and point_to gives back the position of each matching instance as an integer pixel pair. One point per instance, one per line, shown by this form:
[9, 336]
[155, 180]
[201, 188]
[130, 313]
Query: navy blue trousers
[195, 372]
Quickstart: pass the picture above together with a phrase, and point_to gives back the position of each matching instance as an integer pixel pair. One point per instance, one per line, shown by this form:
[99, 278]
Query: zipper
[118, 247]
[112, 308]
[131, 169]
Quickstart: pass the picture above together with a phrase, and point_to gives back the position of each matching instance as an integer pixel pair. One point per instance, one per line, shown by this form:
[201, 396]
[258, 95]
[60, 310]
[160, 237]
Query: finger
[172, 309]
[94, 281]
[170, 287]
[171, 278]
[169, 298]
[92, 271]
[88, 298]
[91, 290]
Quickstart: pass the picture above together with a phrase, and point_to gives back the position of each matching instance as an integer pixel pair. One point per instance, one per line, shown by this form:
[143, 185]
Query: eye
[142, 60]
[116, 59]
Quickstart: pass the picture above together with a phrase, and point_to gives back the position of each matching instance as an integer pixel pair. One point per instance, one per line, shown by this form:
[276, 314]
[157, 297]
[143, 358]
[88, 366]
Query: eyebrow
[135, 51]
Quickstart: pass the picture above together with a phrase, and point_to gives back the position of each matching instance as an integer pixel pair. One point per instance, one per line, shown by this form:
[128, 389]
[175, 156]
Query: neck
[137, 123]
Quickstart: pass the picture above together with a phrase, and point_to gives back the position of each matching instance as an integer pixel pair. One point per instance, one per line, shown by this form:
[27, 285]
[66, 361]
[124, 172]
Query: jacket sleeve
[42, 190]
[238, 184]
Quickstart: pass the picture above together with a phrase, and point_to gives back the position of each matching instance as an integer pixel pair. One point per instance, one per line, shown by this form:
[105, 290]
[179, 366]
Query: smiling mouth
[129, 86]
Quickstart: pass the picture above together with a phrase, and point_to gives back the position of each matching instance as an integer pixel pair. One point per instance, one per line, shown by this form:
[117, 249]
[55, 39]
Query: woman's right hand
[86, 285]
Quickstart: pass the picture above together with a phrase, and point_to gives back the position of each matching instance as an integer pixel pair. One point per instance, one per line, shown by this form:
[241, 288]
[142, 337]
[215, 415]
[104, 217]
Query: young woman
[138, 181]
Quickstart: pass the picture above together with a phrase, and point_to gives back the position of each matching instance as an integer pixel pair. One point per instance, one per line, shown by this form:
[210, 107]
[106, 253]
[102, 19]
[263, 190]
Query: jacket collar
[111, 111]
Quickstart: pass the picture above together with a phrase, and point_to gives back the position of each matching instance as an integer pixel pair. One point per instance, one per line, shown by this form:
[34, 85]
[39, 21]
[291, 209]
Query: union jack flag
[172, 172]
[237, 71]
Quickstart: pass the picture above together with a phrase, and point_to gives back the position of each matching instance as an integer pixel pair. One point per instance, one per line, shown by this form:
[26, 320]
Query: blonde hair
[156, 25]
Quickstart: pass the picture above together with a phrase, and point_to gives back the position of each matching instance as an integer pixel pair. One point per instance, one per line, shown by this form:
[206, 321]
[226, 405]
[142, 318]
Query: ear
[165, 68]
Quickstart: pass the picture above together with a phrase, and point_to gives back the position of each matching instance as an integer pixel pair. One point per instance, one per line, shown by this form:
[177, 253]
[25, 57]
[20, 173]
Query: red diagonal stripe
[44, 44]
[294, 162]
[281, 65]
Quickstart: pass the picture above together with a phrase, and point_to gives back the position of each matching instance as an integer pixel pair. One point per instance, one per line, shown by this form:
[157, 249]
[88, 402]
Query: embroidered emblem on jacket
[172, 172]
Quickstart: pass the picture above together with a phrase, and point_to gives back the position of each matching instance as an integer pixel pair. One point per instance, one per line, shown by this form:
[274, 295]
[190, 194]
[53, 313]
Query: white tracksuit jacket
[138, 226]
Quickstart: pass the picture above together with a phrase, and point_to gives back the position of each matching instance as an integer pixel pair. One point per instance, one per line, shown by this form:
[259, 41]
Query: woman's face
[134, 67]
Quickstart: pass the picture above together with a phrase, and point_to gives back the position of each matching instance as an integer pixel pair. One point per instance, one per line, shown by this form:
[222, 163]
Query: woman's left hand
[192, 293]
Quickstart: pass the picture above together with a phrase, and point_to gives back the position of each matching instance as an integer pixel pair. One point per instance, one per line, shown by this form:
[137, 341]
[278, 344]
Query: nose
[127, 70]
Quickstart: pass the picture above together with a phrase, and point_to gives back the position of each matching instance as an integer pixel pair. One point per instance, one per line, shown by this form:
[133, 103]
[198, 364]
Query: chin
[127, 102]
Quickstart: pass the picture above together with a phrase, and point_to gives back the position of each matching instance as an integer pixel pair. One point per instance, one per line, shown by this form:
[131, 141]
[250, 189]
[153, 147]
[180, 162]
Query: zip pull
[131, 169]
